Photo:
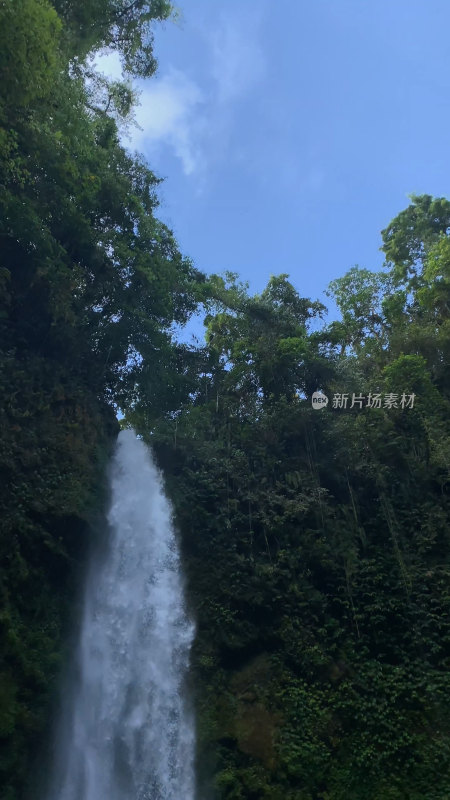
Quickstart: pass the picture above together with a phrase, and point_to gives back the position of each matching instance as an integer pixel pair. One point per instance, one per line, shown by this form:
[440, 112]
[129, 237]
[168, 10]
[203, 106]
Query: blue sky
[291, 133]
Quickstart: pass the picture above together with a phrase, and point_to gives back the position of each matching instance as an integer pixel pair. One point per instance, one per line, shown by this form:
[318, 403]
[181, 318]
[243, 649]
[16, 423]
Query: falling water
[127, 733]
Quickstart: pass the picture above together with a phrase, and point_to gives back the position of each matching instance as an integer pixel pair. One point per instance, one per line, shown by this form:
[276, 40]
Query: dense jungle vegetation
[316, 543]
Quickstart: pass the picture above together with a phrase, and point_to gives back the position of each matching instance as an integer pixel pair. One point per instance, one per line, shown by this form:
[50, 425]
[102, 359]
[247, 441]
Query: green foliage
[263, 339]
[121, 25]
[89, 273]
[409, 237]
[29, 33]
[54, 444]
[318, 544]
[358, 296]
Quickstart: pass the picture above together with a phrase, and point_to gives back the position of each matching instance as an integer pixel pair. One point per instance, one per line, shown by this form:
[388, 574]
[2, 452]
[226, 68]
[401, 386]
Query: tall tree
[121, 25]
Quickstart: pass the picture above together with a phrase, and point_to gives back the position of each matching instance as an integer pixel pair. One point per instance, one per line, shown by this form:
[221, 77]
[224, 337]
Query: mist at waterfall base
[126, 731]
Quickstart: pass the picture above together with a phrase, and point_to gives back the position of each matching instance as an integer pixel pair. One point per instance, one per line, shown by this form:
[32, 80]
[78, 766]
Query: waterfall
[126, 731]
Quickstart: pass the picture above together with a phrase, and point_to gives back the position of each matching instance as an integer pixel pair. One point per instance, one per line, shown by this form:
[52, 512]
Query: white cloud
[168, 115]
[237, 57]
[196, 121]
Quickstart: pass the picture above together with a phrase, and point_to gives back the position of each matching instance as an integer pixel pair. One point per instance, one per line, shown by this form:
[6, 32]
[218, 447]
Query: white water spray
[127, 733]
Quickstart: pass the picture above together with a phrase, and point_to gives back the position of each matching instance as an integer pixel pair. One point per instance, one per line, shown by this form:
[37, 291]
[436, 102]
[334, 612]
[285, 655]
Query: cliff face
[55, 439]
[317, 551]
